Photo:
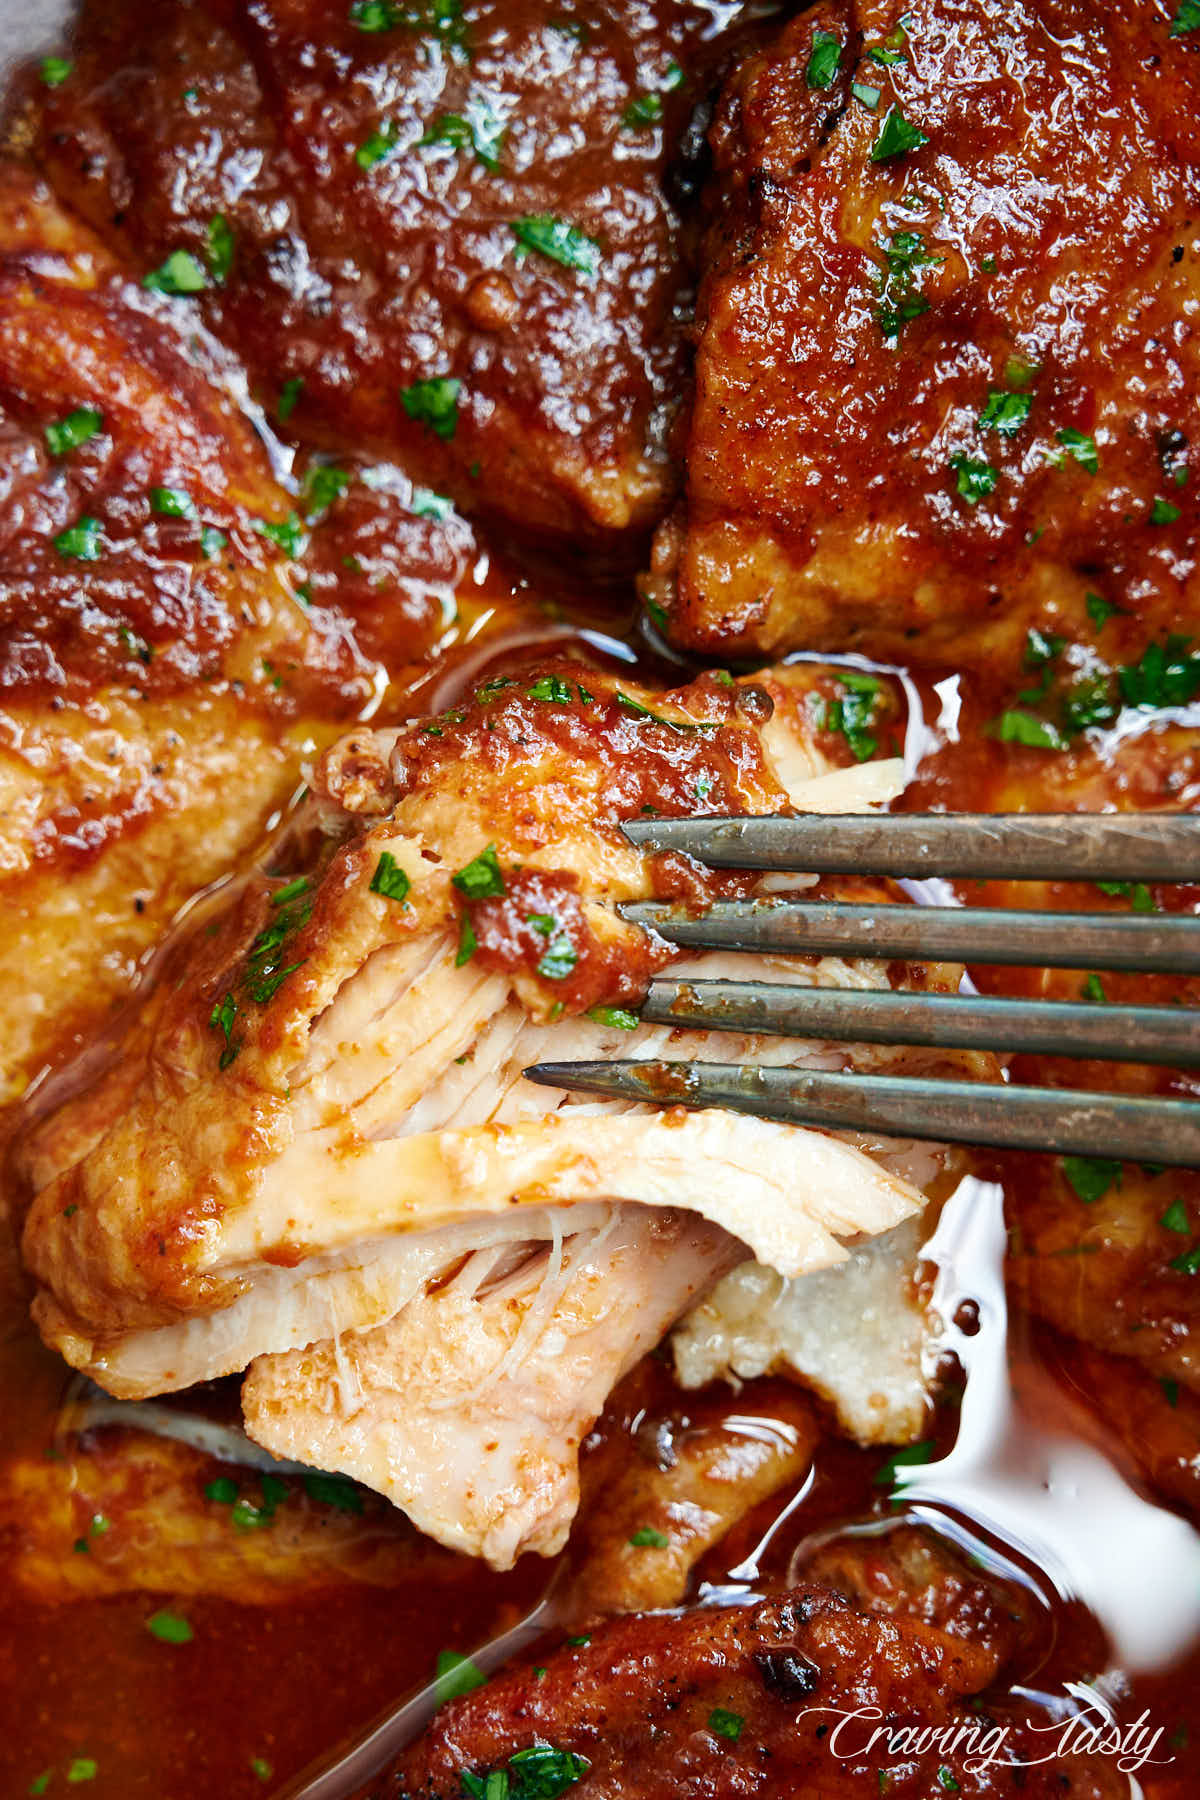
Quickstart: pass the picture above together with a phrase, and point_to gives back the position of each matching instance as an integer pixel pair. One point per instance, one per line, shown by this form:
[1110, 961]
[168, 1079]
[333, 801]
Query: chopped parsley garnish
[1167, 675]
[539, 1773]
[1093, 990]
[261, 1767]
[456, 1674]
[223, 1490]
[557, 240]
[1140, 898]
[490, 689]
[551, 687]
[292, 891]
[1164, 512]
[172, 503]
[897, 136]
[80, 542]
[1176, 1219]
[434, 403]
[82, 1768]
[904, 254]
[135, 645]
[374, 15]
[975, 480]
[40, 1783]
[1100, 610]
[482, 877]
[558, 959]
[1005, 412]
[378, 146]
[647, 1538]
[219, 249]
[337, 1491]
[221, 1019]
[289, 393]
[426, 504]
[1170, 1390]
[726, 1724]
[854, 713]
[1091, 1176]
[545, 924]
[885, 1475]
[288, 533]
[1090, 702]
[77, 428]
[825, 60]
[642, 112]
[468, 943]
[946, 1780]
[323, 484]
[1188, 1263]
[1186, 19]
[616, 1016]
[212, 540]
[865, 95]
[179, 274]
[439, 18]
[55, 69]
[480, 129]
[389, 878]
[1082, 447]
[169, 1627]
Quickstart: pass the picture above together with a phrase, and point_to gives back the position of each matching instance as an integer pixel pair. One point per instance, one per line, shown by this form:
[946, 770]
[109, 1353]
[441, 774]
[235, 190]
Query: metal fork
[1096, 848]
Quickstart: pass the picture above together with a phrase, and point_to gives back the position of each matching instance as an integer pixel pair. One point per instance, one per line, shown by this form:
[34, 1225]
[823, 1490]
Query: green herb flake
[211, 541]
[647, 1538]
[642, 112]
[389, 879]
[1005, 412]
[434, 403]
[615, 1016]
[55, 69]
[377, 146]
[1168, 675]
[909, 1457]
[481, 879]
[40, 1783]
[181, 273]
[1082, 447]
[289, 393]
[221, 1019]
[1164, 512]
[218, 252]
[337, 1491]
[323, 484]
[1100, 610]
[553, 688]
[726, 1724]
[824, 61]
[1018, 727]
[1188, 1263]
[545, 924]
[897, 136]
[1170, 1390]
[479, 129]
[82, 1768]
[223, 1490]
[1093, 990]
[456, 1674]
[1091, 1176]
[80, 542]
[169, 1627]
[854, 712]
[543, 1773]
[947, 1781]
[288, 533]
[1186, 19]
[975, 480]
[866, 95]
[1176, 1219]
[468, 943]
[374, 15]
[426, 504]
[77, 428]
[557, 240]
[558, 960]
[260, 1767]
[172, 503]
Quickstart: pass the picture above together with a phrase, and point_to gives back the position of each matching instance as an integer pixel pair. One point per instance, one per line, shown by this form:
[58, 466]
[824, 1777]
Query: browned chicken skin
[948, 371]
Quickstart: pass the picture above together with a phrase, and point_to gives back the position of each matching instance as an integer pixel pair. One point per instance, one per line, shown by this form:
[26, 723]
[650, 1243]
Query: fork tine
[1020, 846]
[1146, 1034]
[1066, 1121]
[1167, 943]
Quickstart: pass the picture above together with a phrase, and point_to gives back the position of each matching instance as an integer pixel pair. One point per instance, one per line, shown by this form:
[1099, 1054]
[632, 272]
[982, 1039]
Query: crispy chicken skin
[371, 165]
[315, 1153]
[158, 676]
[948, 369]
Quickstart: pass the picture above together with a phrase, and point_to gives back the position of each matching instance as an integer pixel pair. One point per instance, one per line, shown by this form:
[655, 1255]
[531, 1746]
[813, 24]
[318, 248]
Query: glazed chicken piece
[947, 383]
[743, 1700]
[449, 230]
[316, 1154]
[159, 678]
